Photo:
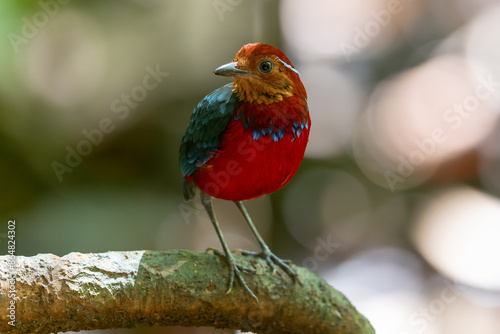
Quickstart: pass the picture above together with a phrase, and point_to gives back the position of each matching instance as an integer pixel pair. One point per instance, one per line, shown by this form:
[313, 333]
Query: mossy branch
[149, 288]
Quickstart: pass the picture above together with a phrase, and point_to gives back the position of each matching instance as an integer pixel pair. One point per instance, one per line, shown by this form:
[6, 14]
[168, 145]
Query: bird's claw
[222, 254]
[272, 260]
[234, 271]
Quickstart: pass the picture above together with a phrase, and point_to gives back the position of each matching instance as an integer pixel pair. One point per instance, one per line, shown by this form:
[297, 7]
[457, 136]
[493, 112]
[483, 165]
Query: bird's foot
[272, 260]
[235, 270]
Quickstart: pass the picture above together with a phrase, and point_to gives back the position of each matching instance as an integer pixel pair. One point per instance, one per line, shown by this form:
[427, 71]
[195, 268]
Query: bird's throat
[260, 92]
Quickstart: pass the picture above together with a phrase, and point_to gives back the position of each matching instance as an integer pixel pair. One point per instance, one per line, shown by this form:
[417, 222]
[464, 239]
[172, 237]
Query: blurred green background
[396, 203]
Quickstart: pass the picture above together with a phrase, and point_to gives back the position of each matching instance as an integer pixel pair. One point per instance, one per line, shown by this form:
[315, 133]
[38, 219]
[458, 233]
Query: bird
[247, 139]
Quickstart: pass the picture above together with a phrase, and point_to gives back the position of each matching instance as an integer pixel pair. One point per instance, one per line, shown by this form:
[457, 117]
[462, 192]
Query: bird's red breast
[263, 144]
[249, 164]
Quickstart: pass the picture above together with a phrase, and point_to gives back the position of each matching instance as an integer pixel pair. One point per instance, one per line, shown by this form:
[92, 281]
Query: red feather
[245, 168]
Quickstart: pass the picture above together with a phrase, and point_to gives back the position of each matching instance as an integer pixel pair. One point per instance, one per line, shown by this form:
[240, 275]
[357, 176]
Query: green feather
[206, 127]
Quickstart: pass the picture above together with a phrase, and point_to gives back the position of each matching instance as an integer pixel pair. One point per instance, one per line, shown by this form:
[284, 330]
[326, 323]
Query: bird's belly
[246, 168]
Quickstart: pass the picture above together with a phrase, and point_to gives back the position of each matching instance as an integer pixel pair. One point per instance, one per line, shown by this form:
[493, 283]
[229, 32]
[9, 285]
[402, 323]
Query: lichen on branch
[183, 288]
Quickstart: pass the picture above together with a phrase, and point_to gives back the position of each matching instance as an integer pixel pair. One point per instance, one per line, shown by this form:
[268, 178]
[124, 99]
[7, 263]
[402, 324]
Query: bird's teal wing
[206, 127]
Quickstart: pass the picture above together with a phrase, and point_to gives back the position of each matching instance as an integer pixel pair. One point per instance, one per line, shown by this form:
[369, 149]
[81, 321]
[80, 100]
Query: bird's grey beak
[230, 70]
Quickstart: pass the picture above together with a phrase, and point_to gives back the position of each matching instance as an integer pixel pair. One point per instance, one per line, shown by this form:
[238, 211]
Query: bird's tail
[189, 189]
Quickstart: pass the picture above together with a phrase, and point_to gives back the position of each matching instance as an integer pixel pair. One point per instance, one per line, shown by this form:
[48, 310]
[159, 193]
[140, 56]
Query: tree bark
[151, 288]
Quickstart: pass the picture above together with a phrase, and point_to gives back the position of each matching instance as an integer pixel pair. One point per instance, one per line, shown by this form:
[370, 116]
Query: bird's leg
[234, 269]
[265, 253]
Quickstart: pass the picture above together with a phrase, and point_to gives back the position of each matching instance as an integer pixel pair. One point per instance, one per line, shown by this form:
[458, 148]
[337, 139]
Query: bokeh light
[336, 99]
[323, 29]
[457, 232]
[414, 125]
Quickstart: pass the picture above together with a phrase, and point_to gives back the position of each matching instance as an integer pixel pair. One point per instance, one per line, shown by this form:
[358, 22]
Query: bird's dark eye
[266, 66]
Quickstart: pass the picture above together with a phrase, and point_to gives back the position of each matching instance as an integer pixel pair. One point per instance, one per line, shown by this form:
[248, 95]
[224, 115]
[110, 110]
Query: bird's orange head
[263, 74]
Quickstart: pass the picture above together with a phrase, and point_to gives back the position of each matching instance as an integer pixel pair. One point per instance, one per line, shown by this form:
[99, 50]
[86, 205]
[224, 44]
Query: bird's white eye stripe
[290, 67]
